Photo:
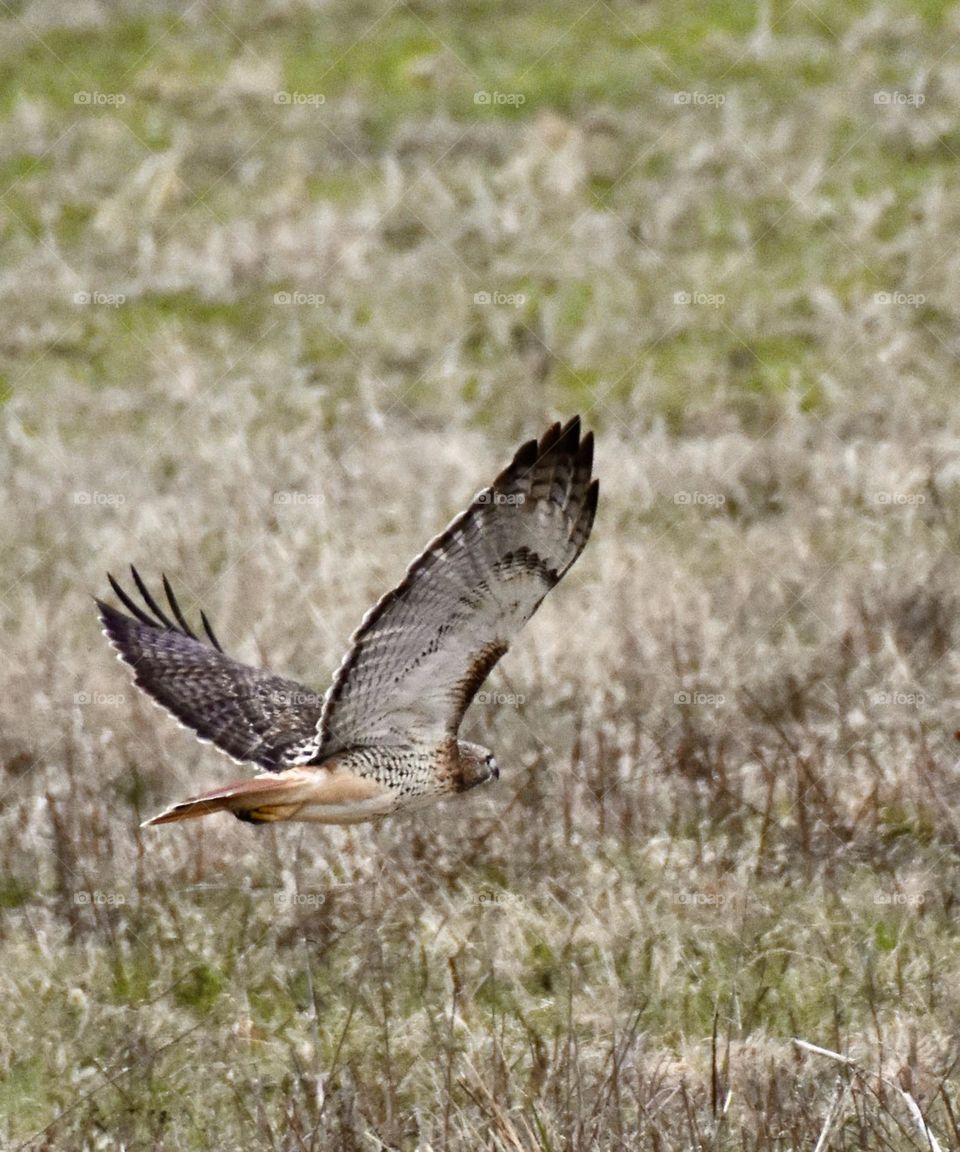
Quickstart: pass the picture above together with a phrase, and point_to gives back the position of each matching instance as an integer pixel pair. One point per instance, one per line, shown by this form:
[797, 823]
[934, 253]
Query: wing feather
[422, 652]
[250, 714]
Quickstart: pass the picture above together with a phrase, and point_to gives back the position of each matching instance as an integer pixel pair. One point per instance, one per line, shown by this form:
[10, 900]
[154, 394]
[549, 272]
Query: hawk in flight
[384, 737]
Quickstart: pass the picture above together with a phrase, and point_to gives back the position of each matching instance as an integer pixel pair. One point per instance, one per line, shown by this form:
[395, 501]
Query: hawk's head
[477, 765]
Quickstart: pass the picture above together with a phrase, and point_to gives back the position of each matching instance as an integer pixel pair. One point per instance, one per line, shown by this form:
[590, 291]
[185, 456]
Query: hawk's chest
[407, 772]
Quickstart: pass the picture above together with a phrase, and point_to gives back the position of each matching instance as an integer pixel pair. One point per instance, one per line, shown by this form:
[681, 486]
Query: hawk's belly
[359, 785]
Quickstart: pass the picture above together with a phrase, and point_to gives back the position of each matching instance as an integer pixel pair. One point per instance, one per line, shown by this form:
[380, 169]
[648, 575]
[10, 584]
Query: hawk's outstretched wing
[247, 713]
[421, 653]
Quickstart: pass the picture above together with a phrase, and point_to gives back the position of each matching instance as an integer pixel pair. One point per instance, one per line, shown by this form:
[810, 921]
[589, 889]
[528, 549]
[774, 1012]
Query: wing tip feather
[571, 429]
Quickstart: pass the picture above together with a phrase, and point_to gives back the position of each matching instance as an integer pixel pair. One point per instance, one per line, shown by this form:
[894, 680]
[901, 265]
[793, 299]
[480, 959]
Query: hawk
[384, 737]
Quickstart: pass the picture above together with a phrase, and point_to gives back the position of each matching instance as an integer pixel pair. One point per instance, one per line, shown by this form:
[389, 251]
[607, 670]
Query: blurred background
[283, 285]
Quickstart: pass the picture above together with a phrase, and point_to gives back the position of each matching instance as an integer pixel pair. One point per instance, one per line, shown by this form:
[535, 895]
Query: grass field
[283, 285]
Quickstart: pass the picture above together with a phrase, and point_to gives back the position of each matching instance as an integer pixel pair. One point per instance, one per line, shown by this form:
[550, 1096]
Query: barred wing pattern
[422, 652]
[249, 714]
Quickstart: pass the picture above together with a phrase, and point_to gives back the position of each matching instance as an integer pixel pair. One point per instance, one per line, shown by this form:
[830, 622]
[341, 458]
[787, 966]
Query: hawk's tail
[259, 800]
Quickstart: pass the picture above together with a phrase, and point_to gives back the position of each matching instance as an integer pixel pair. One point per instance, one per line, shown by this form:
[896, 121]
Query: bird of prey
[384, 737]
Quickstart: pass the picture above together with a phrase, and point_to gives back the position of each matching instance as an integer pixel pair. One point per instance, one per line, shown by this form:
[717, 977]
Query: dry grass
[729, 809]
